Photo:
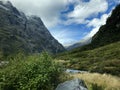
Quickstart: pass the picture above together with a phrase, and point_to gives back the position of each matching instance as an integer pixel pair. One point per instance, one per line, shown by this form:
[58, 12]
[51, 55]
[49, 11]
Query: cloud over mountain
[48, 10]
[71, 15]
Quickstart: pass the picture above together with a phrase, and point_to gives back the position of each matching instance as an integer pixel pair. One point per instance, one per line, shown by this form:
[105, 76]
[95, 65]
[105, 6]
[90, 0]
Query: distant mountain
[79, 44]
[21, 33]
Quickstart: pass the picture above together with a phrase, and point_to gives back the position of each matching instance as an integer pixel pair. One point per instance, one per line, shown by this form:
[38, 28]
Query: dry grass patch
[61, 61]
[108, 82]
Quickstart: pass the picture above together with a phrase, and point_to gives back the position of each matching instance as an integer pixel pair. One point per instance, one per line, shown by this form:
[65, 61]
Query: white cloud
[92, 33]
[65, 36]
[48, 10]
[84, 10]
[96, 24]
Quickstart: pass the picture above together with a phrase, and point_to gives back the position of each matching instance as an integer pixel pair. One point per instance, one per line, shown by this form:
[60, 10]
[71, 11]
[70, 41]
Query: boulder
[75, 84]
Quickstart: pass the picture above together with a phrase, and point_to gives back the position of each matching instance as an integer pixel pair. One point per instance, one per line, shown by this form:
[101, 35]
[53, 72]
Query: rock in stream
[75, 84]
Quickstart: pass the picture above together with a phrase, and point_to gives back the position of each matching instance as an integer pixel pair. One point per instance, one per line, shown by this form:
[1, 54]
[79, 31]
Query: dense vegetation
[35, 72]
[105, 59]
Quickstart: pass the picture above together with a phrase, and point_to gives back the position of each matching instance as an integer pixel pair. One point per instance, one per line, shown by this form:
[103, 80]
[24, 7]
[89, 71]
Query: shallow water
[75, 71]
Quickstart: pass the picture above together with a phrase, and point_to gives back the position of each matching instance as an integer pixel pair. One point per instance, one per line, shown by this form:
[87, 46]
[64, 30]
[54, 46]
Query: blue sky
[75, 31]
[69, 21]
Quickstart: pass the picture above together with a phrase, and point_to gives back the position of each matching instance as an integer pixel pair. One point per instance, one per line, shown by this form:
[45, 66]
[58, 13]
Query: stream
[73, 71]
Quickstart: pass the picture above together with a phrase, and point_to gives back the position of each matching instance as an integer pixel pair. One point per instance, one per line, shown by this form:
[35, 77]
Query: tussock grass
[103, 81]
[105, 59]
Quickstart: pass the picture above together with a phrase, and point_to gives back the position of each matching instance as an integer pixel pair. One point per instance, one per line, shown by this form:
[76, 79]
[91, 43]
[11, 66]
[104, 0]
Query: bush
[96, 87]
[36, 72]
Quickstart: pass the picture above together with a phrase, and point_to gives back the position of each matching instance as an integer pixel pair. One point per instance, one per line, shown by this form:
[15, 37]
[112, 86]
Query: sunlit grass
[103, 81]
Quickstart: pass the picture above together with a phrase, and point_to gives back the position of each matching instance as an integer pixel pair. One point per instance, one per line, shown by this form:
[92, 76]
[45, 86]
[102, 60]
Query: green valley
[104, 59]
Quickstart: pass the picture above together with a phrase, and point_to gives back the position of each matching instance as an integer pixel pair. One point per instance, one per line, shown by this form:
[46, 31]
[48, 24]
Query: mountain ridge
[19, 32]
[110, 32]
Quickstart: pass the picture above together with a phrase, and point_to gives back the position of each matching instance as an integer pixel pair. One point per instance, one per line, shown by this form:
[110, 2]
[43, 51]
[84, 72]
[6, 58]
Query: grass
[95, 81]
[40, 72]
[105, 59]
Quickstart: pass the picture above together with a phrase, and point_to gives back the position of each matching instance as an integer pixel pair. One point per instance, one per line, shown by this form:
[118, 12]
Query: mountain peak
[35, 19]
[28, 34]
[6, 3]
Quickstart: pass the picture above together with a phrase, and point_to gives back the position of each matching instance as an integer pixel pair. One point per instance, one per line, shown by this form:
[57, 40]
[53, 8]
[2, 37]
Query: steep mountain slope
[21, 33]
[110, 32]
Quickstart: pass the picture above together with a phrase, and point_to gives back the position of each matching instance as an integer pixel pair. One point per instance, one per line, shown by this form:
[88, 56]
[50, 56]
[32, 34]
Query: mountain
[79, 44]
[19, 32]
[110, 32]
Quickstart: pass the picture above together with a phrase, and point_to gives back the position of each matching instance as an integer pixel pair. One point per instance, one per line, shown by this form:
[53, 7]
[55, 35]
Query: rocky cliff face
[21, 33]
[110, 32]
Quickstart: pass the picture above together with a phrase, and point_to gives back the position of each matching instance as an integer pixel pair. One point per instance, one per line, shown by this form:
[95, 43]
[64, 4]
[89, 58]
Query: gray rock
[75, 84]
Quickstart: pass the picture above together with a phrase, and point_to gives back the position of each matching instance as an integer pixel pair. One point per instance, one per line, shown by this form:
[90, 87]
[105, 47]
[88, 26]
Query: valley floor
[105, 59]
[94, 81]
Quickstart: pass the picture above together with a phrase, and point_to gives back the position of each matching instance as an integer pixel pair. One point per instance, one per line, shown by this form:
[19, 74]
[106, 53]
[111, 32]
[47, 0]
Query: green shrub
[96, 87]
[1, 55]
[36, 72]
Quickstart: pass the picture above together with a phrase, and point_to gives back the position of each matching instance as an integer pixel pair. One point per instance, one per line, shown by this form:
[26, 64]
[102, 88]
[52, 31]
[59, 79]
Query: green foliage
[105, 59]
[36, 72]
[95, 87]
[1, 55]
